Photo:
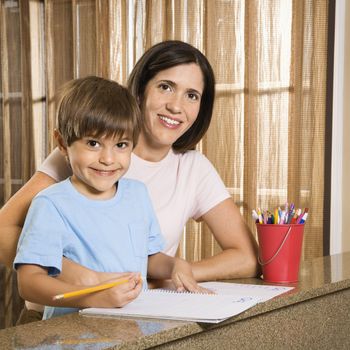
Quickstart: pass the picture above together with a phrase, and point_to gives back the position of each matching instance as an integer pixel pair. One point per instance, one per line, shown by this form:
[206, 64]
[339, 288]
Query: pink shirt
[181, 186]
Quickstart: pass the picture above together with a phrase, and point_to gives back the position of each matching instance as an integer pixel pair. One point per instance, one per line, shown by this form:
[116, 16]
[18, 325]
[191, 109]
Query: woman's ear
[60, 142]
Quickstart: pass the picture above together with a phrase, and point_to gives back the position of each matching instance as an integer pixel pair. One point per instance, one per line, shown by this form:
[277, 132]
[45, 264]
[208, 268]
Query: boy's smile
[98, 163]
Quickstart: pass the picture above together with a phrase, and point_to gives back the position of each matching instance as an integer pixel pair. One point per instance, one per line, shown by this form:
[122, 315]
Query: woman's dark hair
[168, 54]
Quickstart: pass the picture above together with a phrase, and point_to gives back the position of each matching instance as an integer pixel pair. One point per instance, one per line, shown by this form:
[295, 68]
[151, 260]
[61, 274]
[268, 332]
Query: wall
[346, 133]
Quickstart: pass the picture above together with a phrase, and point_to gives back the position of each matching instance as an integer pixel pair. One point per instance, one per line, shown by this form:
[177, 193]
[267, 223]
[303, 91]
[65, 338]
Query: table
[314, 315]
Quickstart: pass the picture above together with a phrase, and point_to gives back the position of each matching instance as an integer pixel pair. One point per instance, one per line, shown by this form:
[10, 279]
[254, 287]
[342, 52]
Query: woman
[174, 85]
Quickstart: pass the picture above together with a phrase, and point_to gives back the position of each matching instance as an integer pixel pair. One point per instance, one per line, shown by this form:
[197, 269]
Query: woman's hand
[163, 267]
[183, 278]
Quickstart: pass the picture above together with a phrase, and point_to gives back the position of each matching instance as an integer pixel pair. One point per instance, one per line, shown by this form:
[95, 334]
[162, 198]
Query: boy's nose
[106, 157]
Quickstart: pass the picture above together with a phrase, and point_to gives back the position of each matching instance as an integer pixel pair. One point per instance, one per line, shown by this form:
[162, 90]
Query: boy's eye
[93, 143]
[122, 144]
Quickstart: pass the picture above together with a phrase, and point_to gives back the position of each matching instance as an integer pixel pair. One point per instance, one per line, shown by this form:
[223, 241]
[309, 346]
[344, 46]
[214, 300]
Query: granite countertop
[318, 277]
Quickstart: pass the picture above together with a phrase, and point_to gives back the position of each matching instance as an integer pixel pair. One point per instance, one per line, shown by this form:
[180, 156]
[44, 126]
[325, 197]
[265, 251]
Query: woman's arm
[37, 286]
[239, 256]
[13, 213]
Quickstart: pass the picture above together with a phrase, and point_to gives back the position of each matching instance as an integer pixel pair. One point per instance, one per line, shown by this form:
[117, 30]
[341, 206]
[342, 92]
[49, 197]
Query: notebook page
[263, 292]
[180, 306]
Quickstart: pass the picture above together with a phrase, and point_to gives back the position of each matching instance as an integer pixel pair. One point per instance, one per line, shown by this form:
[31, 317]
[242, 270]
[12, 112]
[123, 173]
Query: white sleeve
[210, 189]
[56, 166]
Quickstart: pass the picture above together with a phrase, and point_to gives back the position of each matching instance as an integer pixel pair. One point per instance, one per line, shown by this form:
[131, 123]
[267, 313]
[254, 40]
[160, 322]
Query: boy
[95, 218]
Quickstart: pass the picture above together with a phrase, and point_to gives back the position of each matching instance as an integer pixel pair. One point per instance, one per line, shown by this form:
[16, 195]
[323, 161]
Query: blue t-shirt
[114, 235]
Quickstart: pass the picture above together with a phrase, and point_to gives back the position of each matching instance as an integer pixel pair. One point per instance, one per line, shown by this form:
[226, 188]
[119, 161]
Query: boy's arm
[76, 274]
[162, 266]
[37, 286]
[13, 213]
[12, 216]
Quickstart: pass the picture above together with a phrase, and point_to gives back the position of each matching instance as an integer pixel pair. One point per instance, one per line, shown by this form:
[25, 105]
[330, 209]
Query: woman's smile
[170, 122]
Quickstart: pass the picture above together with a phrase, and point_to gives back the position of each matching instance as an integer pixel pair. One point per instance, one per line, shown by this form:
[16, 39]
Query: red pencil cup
[280, 251]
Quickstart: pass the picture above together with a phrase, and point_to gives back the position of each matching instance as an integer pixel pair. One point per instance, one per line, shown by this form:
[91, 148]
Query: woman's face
[171, 104]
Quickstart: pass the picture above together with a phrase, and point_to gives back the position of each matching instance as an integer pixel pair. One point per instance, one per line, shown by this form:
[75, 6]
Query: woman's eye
[164, 87]
[93, 143]
[193, 96]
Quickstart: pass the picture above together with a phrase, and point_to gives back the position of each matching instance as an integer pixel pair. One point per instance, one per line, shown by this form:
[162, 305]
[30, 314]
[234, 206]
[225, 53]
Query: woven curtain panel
[267, 134]
[307, 109]
[269, 56]
[59, 54]
[16, 126]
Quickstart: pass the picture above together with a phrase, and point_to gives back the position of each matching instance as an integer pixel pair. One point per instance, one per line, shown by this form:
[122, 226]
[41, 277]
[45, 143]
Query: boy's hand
[121, 294]
[183, 278]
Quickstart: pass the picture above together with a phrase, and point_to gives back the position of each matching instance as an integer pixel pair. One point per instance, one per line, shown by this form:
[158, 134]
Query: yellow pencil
[89, 290]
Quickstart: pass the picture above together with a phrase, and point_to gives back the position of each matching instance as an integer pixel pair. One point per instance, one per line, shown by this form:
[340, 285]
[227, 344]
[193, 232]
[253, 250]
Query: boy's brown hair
[97, 107]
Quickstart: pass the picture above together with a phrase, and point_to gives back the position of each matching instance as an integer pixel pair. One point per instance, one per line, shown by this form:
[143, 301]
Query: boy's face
[98, 163]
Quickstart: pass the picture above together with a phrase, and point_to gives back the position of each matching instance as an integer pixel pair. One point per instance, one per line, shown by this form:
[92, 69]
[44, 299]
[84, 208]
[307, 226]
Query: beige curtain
[269, 56]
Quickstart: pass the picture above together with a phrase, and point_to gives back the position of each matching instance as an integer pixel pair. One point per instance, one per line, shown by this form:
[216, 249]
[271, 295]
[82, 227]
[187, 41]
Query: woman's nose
[174, 104]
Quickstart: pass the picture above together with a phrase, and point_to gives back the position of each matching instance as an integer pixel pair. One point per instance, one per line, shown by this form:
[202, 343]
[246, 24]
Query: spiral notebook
[230, 300]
